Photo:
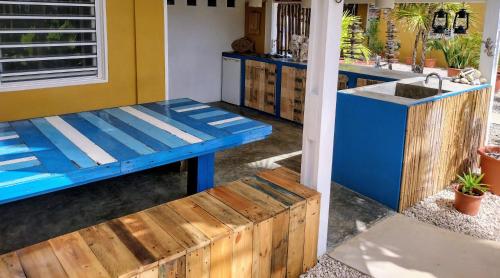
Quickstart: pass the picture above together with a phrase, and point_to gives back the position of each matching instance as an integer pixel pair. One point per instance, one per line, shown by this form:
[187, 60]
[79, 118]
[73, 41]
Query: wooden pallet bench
[254, 227]
[43, 155]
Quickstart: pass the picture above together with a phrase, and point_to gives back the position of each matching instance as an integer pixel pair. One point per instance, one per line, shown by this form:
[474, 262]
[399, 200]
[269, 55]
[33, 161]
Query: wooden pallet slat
[10, 266]
[247, 228]
[76, 257]
[40, 261]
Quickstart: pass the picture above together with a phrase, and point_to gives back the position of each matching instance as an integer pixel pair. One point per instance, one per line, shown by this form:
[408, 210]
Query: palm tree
[418, 18]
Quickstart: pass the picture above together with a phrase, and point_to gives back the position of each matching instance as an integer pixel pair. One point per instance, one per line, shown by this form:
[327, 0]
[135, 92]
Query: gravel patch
[331, 268]
[438, 210]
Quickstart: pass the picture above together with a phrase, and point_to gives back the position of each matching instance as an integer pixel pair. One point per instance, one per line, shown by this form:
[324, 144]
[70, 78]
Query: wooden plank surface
[76, 257]
[10, 266]
[248, 228]
[113, 254]
[39, 261]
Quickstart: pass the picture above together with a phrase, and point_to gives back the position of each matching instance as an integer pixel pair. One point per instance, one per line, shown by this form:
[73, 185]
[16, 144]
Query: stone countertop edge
[382, 91]
[358, 69]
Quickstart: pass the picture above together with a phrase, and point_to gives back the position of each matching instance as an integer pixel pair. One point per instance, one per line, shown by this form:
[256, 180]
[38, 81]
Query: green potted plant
[469, 192]
[362, 51]
[459, 52]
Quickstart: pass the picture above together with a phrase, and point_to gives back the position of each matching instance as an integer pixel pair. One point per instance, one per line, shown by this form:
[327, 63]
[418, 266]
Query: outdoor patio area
[249, 138]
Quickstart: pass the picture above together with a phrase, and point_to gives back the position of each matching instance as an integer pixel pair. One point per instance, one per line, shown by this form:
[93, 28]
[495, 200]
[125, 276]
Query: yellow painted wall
[133, 76]
[407, 38]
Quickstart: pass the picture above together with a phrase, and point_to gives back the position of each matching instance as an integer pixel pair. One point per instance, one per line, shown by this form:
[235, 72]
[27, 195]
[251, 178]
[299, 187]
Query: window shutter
[50, 39]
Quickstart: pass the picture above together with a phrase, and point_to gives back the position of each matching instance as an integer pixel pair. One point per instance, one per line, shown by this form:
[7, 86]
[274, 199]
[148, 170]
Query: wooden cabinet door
[293, 93]
[260, 86]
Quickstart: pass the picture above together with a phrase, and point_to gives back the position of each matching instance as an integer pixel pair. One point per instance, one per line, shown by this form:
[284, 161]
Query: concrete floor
[26, 222]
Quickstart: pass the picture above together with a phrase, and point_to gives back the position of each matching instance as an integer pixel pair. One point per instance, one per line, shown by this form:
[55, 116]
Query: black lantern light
[461, 22]
[440, 22]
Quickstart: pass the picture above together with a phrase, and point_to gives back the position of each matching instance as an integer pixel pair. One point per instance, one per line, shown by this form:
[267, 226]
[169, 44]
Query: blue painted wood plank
[189, 106]
[209, 114]
[175, 101]
[19, 165]
[12, 177]
[117, 134]
[50, 156]
[166, 117]
[4, 124]
[244, 127]
[113, 147]
[7, 133]
[238, 122]
[10, 142]
[133, 132]
[151, 130]
[219, 118]
[69, 149]
[14, 149]
[207, 129]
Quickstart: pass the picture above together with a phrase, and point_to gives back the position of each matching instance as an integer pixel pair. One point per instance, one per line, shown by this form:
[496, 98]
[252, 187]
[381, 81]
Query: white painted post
[321, 99]
[489, 65]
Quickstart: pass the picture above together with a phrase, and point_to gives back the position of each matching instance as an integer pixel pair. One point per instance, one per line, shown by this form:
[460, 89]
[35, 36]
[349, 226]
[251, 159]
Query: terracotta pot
[430, 63]
[467, 204]
[491, 169]
[452, 72]
[409, 60]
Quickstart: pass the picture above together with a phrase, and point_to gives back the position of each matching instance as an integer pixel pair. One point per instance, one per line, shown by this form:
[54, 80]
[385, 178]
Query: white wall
[197, 36]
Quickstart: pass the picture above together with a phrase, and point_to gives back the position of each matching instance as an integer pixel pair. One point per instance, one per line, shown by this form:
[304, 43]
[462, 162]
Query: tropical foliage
[375, 45]
[347, 21]
[461, 51]
[418, 18]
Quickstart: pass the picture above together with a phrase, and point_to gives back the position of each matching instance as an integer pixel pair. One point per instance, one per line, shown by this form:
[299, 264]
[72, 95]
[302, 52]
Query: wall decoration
[254, 23]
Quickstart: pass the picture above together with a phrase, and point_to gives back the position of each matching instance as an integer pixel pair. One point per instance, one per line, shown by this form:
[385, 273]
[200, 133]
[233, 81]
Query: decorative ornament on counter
[470, 76]
[299, 47]
[243, 45]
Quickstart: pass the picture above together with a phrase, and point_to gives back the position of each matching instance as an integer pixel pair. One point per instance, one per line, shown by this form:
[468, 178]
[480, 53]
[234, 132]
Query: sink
[417, 90]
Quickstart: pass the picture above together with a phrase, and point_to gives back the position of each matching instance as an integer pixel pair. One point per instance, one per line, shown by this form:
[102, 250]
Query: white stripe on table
[162, 125]
[226, 121]
[83, 143]
[9, 137]
[18, 160]
[191, 108]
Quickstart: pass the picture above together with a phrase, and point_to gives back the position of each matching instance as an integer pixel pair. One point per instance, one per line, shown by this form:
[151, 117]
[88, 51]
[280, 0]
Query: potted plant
[490, 166]
[460, 52]
[469, 192]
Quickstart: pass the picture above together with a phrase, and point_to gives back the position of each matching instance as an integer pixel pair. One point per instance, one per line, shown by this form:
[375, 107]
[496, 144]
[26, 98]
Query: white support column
[489, 65]
[321, 99]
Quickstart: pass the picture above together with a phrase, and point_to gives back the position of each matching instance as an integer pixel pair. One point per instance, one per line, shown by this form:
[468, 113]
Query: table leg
[201, 172]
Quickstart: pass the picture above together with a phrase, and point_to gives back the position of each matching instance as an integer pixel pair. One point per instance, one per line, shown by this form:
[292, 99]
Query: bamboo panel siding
[260, 86]
[361, 82]
[441, 141]
[293, 92]
[254, 227]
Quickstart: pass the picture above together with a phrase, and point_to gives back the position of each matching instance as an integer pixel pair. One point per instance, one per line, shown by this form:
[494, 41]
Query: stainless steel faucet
[440, 89]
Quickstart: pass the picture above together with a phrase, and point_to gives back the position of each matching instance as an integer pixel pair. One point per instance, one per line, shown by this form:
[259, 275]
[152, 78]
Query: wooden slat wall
[431, 164]
[361, 82]
[265, 227]
[292, 20]
[293, 92]
[260, 86]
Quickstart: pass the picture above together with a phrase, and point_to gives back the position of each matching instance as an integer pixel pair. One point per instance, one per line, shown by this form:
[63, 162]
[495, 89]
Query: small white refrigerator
[231, 80]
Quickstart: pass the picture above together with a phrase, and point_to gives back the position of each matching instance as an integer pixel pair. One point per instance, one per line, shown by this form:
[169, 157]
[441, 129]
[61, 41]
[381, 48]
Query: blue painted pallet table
[43, 155]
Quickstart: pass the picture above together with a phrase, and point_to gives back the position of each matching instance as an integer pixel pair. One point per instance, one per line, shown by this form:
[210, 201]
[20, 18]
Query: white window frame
[102, 62]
